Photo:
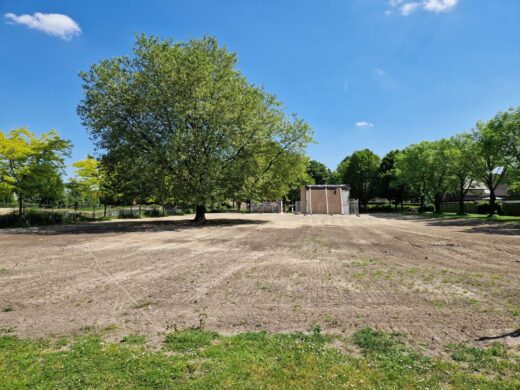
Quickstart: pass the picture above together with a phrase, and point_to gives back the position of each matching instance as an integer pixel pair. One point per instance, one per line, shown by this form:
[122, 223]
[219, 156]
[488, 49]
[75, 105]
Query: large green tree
[87, 180]
[490, 160]
[319, 172]
[360, 171]
[31, 166]
[507, 126]
[426, 168]
[460, 153]
[185, 106]
[389, 185]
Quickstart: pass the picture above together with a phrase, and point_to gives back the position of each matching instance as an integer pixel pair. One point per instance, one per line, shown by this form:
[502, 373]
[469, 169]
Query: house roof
[327, 186]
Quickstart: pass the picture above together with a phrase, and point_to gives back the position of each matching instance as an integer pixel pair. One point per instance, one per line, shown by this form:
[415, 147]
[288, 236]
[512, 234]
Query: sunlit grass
[196, 359]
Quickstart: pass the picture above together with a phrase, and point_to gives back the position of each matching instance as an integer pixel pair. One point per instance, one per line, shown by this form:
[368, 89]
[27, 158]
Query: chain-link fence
[353, 207]
[62, 213]
[267, 207]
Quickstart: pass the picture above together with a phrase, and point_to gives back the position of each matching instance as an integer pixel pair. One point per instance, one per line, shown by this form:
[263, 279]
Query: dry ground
[437, 281]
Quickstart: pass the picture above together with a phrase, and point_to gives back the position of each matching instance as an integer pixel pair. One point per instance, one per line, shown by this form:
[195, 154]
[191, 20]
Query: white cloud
[439, 5]
[364, 124]
[57, 25]
[405, 7]
[379, 71]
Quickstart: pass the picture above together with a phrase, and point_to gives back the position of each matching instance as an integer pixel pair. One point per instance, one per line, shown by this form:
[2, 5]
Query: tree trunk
[492, 201]
[462, 206]
[105, 210]
[20, 207]
[200, 214]
[422, 203]
[437, 203]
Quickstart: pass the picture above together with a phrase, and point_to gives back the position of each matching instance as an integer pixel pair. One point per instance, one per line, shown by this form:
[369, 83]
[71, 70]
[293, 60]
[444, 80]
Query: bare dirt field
[436, 281]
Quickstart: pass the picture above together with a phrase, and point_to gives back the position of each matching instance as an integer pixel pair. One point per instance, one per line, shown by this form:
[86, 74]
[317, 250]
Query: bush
[379, 208]
[39, 218]
[483, 208]
[153, 213]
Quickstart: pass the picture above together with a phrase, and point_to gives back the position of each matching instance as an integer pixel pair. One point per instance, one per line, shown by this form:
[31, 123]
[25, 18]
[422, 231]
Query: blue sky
[377, 74]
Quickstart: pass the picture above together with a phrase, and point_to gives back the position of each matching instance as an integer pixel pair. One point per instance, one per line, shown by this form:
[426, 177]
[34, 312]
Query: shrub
[39, 218]
[483, 208]
[153, 213]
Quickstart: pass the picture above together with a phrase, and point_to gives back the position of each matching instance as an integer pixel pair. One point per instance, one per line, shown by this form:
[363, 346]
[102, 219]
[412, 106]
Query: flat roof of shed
[331, 186]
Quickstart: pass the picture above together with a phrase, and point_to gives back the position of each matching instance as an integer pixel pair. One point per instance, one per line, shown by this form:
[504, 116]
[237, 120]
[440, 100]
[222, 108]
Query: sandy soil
[436, 281]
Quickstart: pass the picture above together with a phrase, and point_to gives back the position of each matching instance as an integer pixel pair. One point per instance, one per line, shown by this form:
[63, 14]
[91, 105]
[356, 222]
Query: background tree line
[429, 171]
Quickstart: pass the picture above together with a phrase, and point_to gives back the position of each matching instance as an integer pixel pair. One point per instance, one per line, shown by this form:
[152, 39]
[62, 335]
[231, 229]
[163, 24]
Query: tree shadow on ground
[514, 334]
[468, 225]
[129, 226]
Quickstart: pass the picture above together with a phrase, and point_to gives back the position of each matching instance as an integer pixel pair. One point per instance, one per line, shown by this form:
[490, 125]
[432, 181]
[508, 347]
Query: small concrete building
[325, 199]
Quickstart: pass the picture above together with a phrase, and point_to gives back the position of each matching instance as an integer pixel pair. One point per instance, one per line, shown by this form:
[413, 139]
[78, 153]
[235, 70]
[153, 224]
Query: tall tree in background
[490, 161]
[360, 171]
[507, 126]
[88, 180]
[319, 172]
[426, 167]
[461, 160]
[185, 107]
[336, 177]
[389, 185]
[31, 166]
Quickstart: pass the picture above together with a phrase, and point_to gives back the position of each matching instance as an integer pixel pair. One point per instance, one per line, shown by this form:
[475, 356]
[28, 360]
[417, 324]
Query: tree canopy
[184, 107]
[318, 172]
[86, 186]
[30, 166]
[360, 170]
[490, 161]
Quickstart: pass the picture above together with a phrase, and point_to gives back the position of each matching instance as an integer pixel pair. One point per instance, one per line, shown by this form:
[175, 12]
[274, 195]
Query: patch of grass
[248, 360]
[482, 217]
[142, 305]
[473, 301]
[362, 262]
[189, 340]
[492, 360]
[264, 286]
[437, 303]
[110, 328]
[7, 309]
[134, 339]
[515, 311]
[381, 274]
[331, 320]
